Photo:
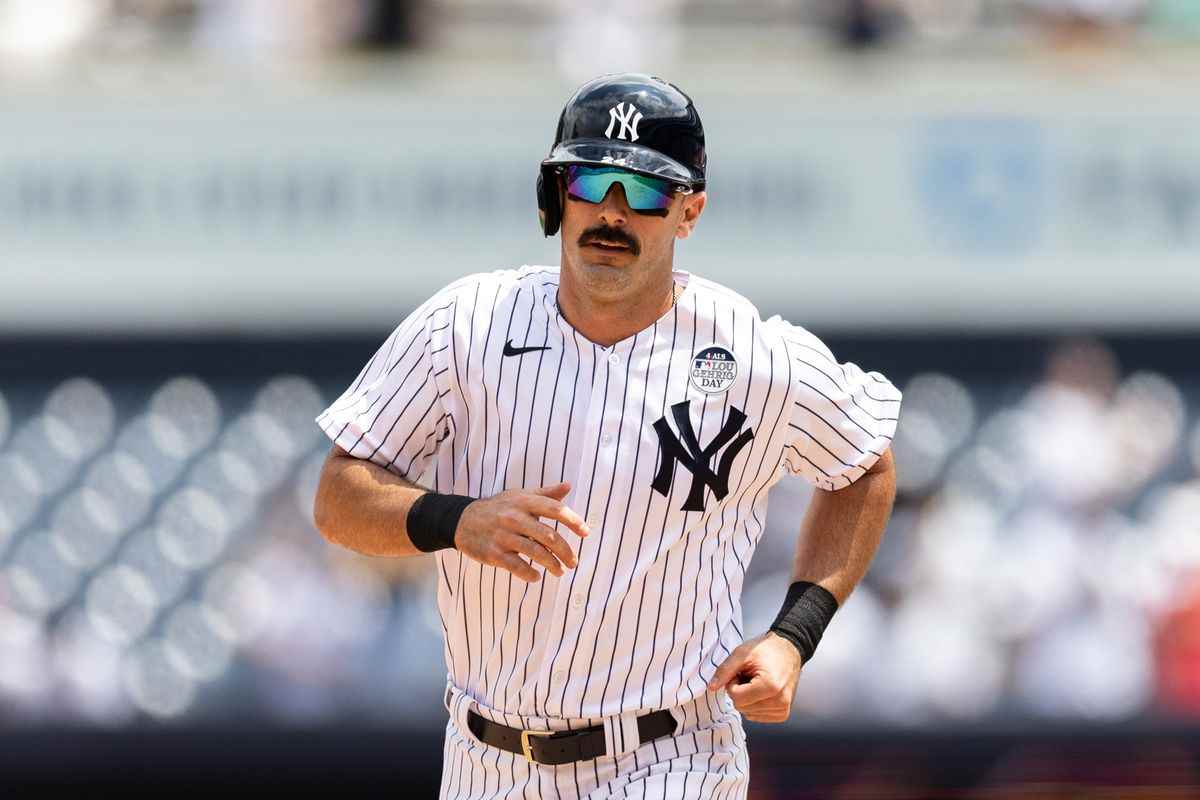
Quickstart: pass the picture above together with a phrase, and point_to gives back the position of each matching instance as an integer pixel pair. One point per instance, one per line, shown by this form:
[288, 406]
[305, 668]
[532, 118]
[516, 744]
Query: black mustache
[610, 235]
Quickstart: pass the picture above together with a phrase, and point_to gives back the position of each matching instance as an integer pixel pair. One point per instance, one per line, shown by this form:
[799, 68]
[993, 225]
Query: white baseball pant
[705, 758]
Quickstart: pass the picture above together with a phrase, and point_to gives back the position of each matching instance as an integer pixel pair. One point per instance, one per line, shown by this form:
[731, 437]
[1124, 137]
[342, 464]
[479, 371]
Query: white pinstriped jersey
[670, 440]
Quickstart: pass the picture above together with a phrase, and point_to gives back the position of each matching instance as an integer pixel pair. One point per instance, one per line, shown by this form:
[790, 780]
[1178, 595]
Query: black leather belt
[562, 747]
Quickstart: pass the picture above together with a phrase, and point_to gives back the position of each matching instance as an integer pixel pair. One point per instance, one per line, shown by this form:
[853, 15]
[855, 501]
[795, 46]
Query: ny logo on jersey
[694, 458]
[629, 119]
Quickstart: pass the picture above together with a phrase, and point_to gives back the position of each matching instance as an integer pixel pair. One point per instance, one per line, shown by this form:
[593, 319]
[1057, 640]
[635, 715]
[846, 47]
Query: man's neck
[607, 321]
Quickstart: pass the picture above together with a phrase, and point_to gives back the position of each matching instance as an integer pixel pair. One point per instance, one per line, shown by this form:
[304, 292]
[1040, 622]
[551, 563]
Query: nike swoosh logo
[509, 350]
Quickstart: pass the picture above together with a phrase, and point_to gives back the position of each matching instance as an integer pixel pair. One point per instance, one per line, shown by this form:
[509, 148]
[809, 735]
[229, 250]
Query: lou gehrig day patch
[713, 369]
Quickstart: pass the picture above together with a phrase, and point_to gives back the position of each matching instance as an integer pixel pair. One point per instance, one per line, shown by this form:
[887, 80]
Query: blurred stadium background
[212, 211]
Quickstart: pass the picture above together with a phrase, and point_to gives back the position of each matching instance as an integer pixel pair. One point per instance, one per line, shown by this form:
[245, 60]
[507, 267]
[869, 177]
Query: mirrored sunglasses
[644, 194]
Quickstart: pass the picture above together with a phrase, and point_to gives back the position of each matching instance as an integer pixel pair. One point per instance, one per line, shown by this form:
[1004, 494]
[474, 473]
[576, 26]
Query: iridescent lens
[642, 192]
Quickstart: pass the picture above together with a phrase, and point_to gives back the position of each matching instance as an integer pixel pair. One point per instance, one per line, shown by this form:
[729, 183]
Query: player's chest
[693, 388]
[685, 422]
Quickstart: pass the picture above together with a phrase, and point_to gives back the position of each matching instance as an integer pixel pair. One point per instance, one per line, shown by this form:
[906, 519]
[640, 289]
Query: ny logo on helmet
[695, 458]
[629, 119]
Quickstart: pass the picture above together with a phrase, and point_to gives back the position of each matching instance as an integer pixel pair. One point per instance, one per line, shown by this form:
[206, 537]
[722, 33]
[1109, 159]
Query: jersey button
[613, 359]
[578, 600]
[606, 439]
[559, 676]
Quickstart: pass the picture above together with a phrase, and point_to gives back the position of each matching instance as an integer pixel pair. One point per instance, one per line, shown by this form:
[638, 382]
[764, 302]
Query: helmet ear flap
[549, 209]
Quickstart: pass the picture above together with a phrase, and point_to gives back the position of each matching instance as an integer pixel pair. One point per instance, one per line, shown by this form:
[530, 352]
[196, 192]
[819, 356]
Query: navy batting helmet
[634, 121]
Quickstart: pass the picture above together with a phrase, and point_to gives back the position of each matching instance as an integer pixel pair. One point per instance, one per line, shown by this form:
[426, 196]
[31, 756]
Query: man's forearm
[361, 506]
[841, 531]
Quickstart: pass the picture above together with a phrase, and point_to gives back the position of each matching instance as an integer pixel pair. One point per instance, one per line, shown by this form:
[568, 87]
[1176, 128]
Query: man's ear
[693, 206]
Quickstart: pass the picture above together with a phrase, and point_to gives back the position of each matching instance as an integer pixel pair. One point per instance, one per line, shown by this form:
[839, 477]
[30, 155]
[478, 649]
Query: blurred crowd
[157, 557]
[588, 35]
[1043, 559]
[1063, 23]
[44, 30]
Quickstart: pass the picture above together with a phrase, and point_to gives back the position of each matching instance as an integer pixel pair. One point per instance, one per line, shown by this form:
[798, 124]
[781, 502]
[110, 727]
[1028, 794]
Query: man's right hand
[498, 530]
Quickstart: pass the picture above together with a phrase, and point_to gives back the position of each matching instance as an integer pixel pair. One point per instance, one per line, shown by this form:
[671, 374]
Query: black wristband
[433, 519]
[805, 614]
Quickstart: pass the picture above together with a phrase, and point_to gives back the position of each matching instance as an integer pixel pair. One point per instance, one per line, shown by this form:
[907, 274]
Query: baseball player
[587, 450]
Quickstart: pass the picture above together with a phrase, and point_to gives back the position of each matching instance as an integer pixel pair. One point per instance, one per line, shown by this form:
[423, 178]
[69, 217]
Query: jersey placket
[589, 497]
[616, 444]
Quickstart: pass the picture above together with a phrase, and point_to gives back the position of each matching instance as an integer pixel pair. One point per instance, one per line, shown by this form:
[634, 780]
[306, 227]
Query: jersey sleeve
[842, 418]
[392, 413]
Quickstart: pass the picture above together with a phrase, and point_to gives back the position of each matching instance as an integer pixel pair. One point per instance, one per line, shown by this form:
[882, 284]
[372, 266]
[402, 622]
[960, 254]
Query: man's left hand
[760, 676]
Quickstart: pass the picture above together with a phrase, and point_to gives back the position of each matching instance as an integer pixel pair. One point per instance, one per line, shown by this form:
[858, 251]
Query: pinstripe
[451, 765]
[584, 544]
[452, 341]
[510, 773]
[545, 449]
[845, 412]
[624, 525]
[839, 386]
[724, 543]
[400, 416]
[823, 472]
[363, 413]
[458, 767]
[666, 569]
[468, 396]
[387, 367]
[829, 425]
[485, 774]
[741, 480]
[421, 455]
[566, 448]
[446, 758]
[587, 508]
[438, 395]
[818, 443]
[818, 351]
[604, 519]
[524, 467]
[497, 483]
[465, 405]
[727, 786]
[470, 769]
[375, 419]
[575, 768]
[828, 356]
[504, 479]
[779, 416]
[663, 410]
[700, 546]
[530, 771]
[450, 657]
[482, 568]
